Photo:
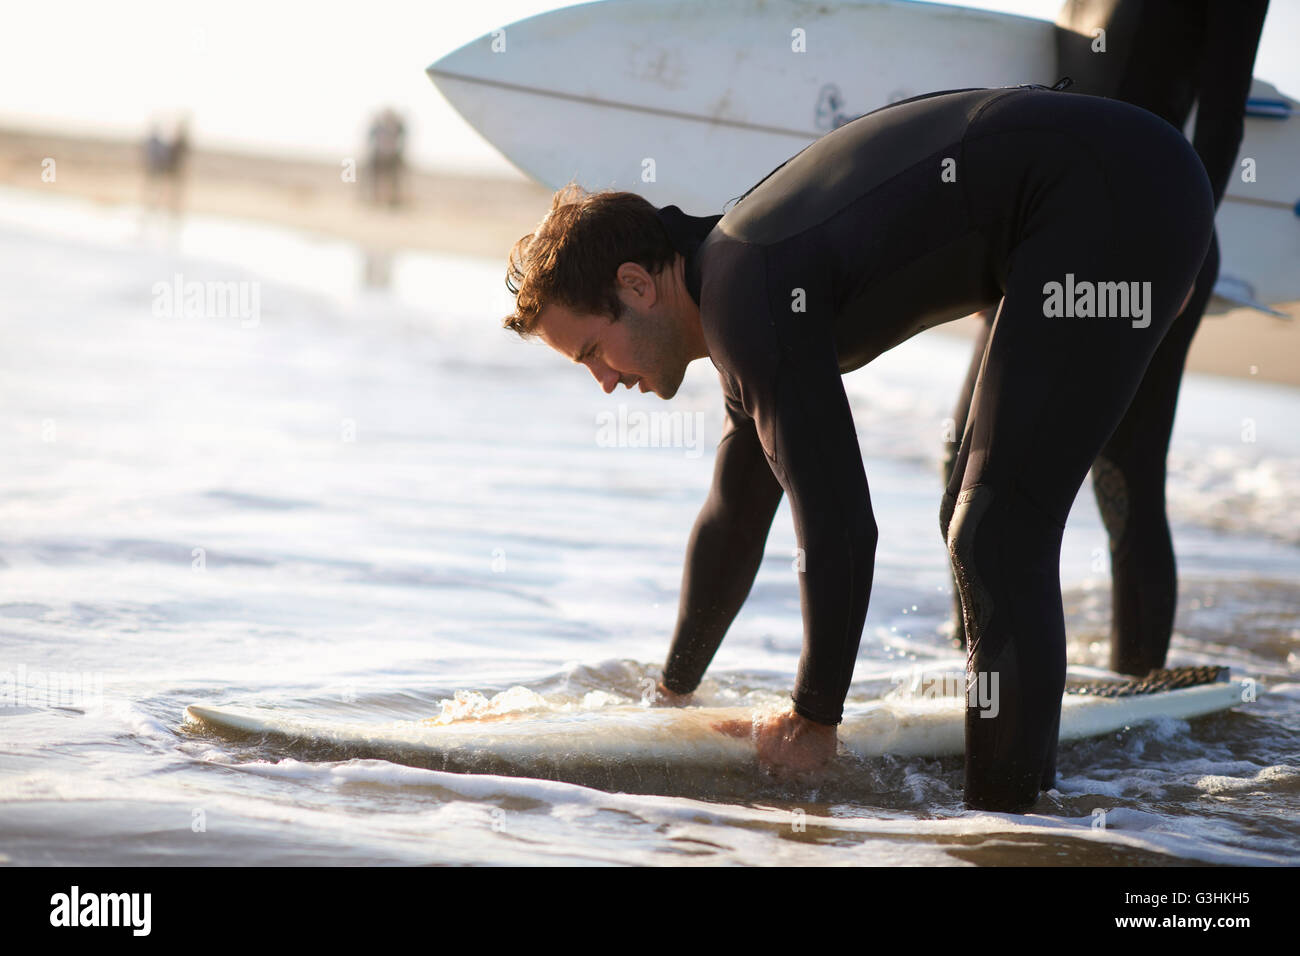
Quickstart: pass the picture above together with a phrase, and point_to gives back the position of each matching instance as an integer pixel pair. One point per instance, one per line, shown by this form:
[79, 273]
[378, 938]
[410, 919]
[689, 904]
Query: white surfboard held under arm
[692, 103]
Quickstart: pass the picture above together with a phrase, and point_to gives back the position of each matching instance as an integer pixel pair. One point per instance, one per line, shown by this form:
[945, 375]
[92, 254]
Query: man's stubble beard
[656, 339]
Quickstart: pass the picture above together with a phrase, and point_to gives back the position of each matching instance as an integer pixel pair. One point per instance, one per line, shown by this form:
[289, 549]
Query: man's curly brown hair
[573, 255]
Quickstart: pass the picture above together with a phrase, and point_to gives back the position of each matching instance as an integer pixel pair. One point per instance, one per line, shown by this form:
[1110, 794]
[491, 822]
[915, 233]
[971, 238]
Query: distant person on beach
[1164, 56]
[156, 152]
[1087, 218]
[387, 144]
[165, 162]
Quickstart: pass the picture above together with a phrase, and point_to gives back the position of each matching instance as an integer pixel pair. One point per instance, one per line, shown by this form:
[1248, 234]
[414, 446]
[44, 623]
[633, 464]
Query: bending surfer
[916, 214]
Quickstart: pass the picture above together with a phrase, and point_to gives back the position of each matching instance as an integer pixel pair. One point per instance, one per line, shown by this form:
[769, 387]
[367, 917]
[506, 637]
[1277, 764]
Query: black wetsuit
[1162, 55]
[913, 215]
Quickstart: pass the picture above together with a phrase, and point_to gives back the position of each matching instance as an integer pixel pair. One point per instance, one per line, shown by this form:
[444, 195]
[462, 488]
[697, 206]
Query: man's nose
[606, 376]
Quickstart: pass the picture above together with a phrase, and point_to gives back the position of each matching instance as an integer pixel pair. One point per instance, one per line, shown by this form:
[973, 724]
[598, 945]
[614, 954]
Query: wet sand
[1239, 343]
[468, 214]
[443, 212]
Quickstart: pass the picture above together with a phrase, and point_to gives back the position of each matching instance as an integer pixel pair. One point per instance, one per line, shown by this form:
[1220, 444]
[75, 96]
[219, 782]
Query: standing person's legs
[1128, 480]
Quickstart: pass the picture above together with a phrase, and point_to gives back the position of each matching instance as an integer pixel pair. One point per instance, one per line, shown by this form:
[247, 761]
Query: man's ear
[637, 280]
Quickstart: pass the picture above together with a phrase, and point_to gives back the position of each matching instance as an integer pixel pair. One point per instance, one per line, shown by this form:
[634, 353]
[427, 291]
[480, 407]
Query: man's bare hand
[787, 743]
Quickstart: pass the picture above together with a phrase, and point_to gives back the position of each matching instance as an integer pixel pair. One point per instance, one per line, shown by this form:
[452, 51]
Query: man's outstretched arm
[724, 552]
[806, 422]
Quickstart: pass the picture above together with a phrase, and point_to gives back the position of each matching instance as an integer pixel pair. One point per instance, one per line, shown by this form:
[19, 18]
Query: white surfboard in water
[692, 103]
[629, 747]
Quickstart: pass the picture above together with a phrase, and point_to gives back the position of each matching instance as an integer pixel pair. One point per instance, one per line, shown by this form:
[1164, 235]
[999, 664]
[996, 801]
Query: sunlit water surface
[357, 501]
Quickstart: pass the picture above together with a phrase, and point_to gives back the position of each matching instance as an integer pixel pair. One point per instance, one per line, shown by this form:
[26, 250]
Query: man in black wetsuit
[1161, 55]
[1088, 219]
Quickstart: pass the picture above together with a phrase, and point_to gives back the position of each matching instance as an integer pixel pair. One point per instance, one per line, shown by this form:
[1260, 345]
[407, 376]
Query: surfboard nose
[463, 78]
[462, 63]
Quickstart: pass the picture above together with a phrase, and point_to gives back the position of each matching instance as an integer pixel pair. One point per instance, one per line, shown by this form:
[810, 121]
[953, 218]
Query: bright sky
[302, 78]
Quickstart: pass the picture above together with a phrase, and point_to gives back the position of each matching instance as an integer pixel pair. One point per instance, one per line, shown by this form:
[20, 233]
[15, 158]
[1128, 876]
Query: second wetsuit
[1164, 56]
[916, 214]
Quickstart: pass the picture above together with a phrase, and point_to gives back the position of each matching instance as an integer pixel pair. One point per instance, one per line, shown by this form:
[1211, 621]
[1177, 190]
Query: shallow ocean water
[357, 500]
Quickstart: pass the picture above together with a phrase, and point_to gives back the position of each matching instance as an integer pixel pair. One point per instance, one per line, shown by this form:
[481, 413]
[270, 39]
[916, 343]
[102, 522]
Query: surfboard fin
[1240, 292]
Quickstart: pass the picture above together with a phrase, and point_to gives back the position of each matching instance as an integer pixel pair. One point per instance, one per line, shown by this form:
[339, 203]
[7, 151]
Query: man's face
[643, 349]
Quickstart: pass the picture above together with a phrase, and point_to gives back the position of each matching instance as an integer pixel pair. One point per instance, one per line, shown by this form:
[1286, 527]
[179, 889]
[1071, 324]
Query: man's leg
[952, 452]
[1099, 201]
[1051, 391]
